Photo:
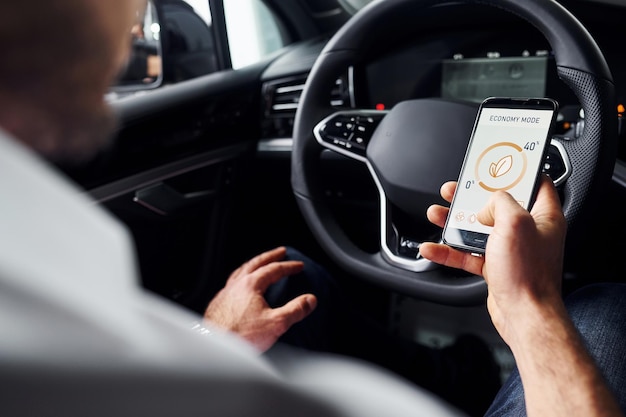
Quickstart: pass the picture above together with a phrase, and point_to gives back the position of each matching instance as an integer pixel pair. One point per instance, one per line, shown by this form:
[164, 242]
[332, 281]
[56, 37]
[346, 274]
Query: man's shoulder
[36, 190]
[51, 231]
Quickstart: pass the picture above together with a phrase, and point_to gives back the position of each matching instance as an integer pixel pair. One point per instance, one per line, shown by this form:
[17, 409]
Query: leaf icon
[504, 165]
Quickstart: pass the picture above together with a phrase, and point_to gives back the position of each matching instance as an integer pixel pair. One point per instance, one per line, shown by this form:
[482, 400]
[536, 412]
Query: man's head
[59, 58]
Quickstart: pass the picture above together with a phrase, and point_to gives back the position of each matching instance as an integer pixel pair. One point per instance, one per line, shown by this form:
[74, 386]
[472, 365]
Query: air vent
[281, 98]
[284, 96]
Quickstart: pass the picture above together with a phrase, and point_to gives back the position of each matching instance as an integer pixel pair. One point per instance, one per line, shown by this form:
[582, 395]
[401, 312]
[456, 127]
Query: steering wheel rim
[580, 65]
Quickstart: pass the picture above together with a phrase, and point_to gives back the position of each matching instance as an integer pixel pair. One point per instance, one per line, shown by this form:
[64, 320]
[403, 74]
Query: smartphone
[506, 151]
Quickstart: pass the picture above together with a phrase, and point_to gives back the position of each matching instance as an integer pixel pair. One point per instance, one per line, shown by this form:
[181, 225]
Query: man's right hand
[524, 255]
[522, 266]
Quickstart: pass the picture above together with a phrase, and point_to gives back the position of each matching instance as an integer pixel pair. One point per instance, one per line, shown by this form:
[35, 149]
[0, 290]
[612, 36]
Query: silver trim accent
[285, 106]
[351, 86]
[149, 177]
[417, 265]
[328, 13]
[289, 89]
[619, 173]
[275, 145]
[568, 166]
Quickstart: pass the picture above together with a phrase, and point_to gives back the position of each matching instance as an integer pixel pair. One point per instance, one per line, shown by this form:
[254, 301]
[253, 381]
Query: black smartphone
[506, 151]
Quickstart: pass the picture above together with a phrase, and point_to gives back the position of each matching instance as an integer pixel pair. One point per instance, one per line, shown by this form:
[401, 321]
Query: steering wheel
[412, 149]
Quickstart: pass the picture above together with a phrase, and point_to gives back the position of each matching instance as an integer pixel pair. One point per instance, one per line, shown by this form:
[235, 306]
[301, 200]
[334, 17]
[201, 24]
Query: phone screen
[505, 153]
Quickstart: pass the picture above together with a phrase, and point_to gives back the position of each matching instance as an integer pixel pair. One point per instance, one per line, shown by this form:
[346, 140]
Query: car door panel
[168, 175]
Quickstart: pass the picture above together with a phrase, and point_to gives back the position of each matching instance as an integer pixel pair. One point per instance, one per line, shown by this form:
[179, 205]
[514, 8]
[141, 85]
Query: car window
[253, 31]
[144, 67]
[183, 45]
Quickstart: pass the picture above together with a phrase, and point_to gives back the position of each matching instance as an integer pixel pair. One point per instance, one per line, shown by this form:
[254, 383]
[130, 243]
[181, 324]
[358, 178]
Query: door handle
[164, 200]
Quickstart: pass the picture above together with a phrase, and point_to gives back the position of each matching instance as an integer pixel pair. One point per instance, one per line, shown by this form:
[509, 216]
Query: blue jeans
[599, 314]
[312, 332]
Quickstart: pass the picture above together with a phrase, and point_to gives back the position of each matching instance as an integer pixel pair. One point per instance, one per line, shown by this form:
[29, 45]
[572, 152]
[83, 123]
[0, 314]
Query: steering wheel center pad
[409, 138]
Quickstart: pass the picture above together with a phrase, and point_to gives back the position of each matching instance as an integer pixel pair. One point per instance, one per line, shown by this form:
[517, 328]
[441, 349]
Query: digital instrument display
[474, 79]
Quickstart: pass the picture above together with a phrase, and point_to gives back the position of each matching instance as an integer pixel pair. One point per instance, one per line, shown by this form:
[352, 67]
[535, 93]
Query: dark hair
[55, 65]
[43, 42]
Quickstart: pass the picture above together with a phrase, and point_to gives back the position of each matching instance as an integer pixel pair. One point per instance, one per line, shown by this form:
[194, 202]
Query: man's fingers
[265, 258]
[503, 203]
[447, 190]
[260, 260]
[437, 214]
[548, 200]
[546, 204]
[547, 193]
[297, 309]
[269, 274]
[445, 255]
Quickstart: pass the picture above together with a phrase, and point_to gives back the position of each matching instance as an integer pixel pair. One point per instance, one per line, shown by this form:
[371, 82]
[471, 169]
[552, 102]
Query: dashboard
[460, 54]
[470, 56]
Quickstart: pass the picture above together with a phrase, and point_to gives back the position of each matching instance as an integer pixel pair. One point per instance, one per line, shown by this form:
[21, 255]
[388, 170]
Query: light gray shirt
[80, 337]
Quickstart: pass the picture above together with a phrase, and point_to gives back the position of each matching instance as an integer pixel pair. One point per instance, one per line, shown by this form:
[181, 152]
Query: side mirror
[144, 69]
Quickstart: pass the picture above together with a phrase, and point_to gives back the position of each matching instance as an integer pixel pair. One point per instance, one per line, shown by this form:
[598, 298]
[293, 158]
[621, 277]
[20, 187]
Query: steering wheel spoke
[348, 132]
[399, 247]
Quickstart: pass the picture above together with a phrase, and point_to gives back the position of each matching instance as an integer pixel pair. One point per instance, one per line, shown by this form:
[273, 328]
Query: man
[79, 337]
